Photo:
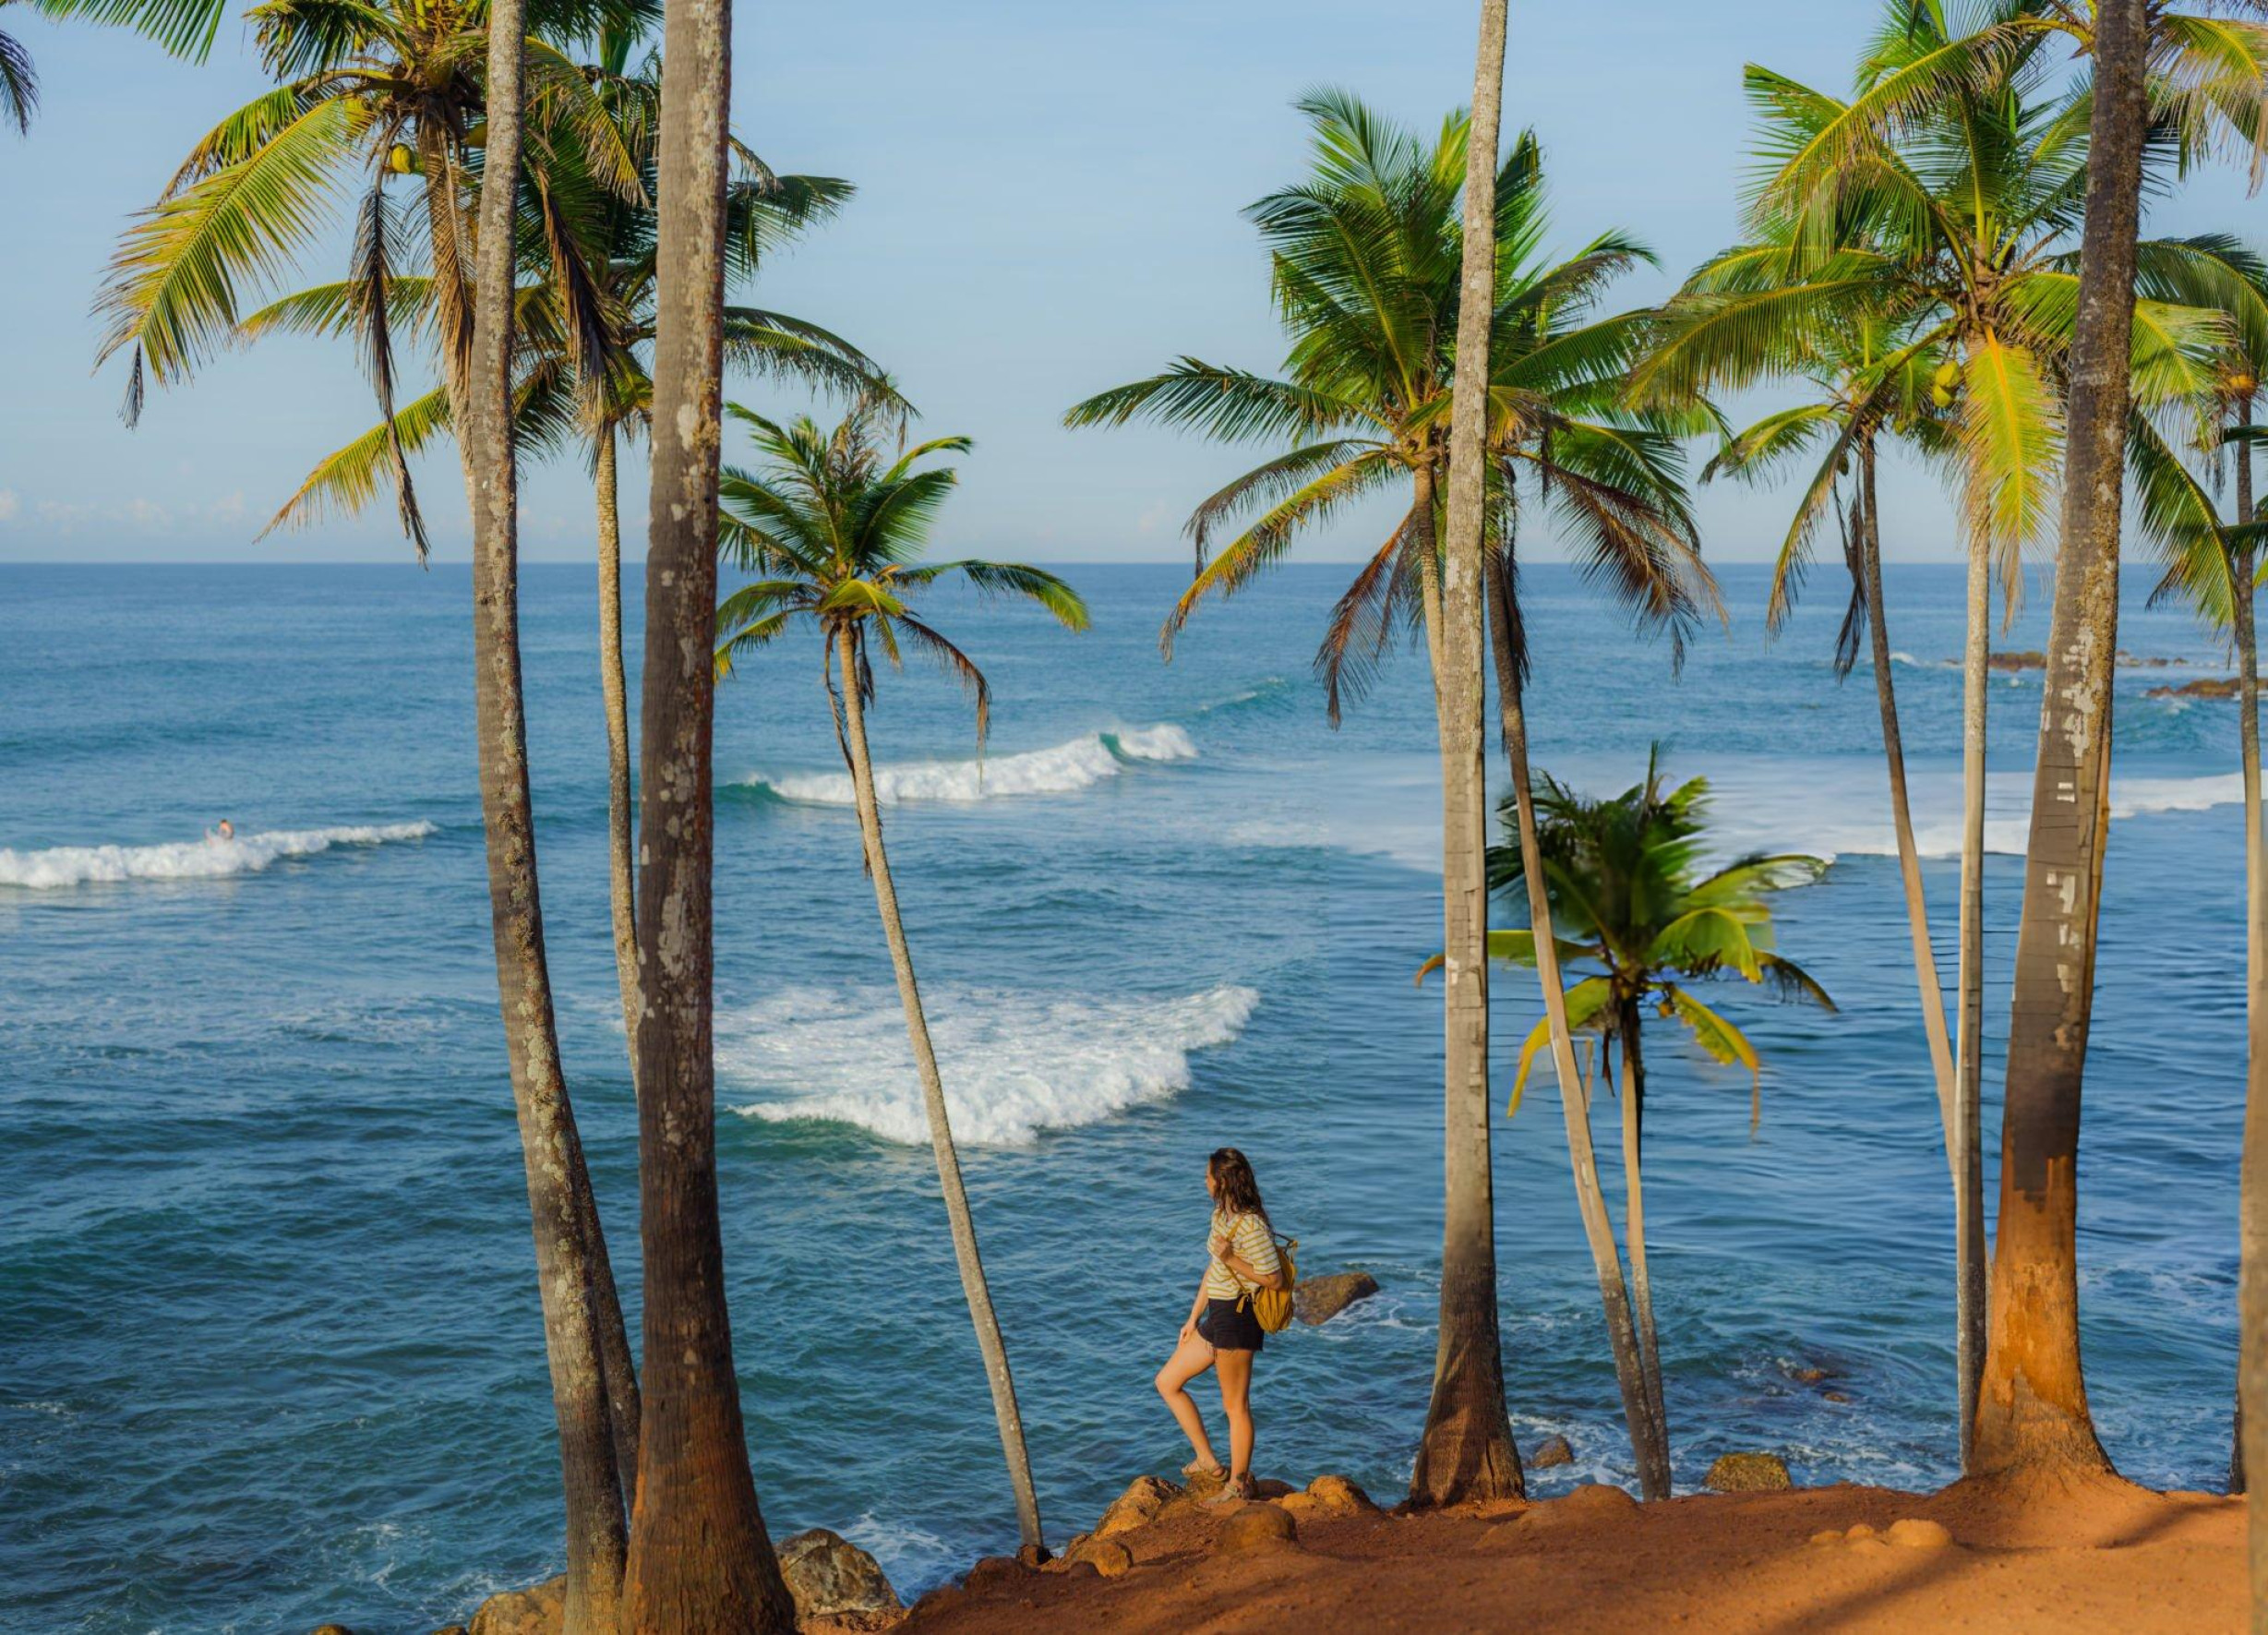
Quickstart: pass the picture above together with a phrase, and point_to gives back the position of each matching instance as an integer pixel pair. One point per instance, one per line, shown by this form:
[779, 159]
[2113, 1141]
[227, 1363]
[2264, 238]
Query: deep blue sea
[269, 1349]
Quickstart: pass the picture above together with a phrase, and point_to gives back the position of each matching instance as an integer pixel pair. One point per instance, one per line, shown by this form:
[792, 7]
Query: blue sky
[1048, 205]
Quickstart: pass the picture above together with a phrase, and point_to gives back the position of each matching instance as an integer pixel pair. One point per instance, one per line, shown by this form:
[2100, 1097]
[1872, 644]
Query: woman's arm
[1244, 1268]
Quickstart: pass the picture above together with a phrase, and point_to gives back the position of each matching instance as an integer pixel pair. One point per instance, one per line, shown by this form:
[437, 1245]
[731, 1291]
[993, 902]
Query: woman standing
[1223, 1332]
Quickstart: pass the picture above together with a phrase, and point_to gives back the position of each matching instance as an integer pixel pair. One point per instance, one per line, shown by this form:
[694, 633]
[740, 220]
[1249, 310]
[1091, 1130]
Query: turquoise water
[270, 1351]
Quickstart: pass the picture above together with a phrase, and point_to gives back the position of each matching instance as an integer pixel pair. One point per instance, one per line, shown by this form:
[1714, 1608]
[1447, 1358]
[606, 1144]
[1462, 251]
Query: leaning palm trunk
[1466, 1451]
[700, 1562]
[1967, 1132]
[2031, 1404]
[621, 873]
[1969, 1324]
[2253, 1284]
[1633, 1220]
[1647, 1447]
[565, 1224]
[965, 1254]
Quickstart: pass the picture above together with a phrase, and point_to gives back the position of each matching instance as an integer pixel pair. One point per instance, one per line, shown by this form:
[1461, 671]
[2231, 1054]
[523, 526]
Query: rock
[1915, 1533]
[1301, 1504]
[1857, 1531]
[1034, 1555]
[1835, 1396]
[1830, 1536]
[1255, 1528]
[995, 1572]
[1551, 1452]
[1268, 1487]
[1338, 1495]
[2209, 687]
[1145, 1497]
[538, 1610]
[1318, 1300]
[1806, 1376]
[445, 1629]
[1595, 1498]
[828, 1575]
[331, 1629]
[2017, 661]
[1105, 1555]
[1748, 1472]
[941, 1599]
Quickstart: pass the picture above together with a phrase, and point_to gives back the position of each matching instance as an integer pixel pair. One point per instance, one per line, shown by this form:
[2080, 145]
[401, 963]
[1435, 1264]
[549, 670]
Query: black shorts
[1231, 1325]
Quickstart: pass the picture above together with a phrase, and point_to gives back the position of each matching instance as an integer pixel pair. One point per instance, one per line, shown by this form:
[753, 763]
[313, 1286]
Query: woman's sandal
[1236, 1491]
[1197, 1467]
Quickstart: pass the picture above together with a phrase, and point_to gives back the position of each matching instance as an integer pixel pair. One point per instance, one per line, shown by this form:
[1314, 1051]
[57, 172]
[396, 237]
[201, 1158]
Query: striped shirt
[1252, 1242]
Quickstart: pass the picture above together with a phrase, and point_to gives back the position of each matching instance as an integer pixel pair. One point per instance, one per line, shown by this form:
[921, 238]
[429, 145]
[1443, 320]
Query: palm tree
[1932, 250]
[549, 1144]
[20, 83]
[1367, 258]
[700, 1559]
[1466, 1451]
[1622, 879]
[832, 535]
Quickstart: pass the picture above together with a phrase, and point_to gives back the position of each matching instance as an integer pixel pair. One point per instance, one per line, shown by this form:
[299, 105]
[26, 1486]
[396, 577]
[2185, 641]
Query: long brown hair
[1240, 1189]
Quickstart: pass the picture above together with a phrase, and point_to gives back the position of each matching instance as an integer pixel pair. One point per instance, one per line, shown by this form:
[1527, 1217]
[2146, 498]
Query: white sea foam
[60, 866]
[1013, 1064]
[1061, 769]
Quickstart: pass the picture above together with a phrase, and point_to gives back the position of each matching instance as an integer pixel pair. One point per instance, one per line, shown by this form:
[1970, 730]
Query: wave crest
[1061, 769]
[60, 866]
[1013, 1065]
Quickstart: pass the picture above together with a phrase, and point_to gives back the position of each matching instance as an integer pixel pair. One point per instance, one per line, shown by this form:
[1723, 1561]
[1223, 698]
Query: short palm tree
[1624, 876]
[19, 82]
[831, 530]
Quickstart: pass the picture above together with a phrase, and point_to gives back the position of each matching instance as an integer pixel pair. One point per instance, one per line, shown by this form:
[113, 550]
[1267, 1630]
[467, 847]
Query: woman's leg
[1191, 1358]
[1234, 1370]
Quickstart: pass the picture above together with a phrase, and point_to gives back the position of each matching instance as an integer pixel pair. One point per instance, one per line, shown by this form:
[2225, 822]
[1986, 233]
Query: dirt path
[2096, 1556]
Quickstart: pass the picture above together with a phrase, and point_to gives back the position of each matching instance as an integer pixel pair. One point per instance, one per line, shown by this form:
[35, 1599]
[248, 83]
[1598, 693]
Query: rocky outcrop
[539, 1610]
[1105, 1556]
[1550, 1453]
[2208, 687]
[1145, 1499]
[1337, 1495]
[1748, 1472]
[995, 1572]
[1318, 1300]
[1918, 1534]
[1255, 1528]
[831, 1577]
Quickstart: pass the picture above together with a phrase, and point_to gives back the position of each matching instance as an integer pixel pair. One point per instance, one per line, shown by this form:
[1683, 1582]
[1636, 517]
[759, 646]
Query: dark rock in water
[539, 1610]
[1748, 1472]
[1255, 1528]
[1835, 1396]
[1806, 1376]
[2206, 686]
[2017, 661]
[1318, 1300]
[829, 1576]
[1551, 1452]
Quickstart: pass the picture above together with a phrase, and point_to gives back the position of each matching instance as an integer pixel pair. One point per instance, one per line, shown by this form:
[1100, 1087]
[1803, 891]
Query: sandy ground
[2098, 1555]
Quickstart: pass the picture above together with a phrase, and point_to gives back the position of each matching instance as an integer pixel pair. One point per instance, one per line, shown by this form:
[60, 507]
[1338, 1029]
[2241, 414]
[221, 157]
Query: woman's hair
[1240, 1191]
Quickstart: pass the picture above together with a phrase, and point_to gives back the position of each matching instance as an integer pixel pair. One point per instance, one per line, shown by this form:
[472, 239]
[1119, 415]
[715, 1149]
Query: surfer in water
[227, 830]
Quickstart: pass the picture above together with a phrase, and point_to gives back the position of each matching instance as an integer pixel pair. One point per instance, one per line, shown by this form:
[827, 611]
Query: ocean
[269, 1349]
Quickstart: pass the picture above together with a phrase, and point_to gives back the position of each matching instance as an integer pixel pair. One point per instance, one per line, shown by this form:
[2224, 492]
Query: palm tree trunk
[700, 1562]
[565, 1224]
[2031, 1408]
[2251, 1441]
[1591, 1198]
[1424, 541]
[1467, 1452]
[613, 1333]
[965, 1252]
[621, 873]
[1628, 1025]
[1969, 1326]
[1969, 1051]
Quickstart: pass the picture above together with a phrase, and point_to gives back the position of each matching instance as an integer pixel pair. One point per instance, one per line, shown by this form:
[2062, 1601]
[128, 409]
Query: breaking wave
[1062, 769]
[57, 867]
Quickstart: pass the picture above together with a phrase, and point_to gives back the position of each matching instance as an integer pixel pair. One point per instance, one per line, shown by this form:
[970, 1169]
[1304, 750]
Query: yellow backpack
[1273, 1306]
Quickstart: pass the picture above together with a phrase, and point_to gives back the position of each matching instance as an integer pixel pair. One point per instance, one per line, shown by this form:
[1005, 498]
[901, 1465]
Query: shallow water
[271, 1352]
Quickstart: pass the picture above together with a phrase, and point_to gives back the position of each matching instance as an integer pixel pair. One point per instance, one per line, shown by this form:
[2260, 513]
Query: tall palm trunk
[2031, 1408]
[565, 1225]
[965, 1252]
[700, 1561]
[1967, 1132]
[1969, 1324]
[1468, 1452]
[621, 872]
[1650, 1450]
[1627, 1026]
[2252, 1236]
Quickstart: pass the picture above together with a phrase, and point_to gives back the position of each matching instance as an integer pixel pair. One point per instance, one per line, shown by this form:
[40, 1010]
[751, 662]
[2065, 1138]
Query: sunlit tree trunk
[1627, 1026]
[565, 1224]
[700, 1562]
[621, 872]
[965, 1252]
[1969, 1049]
[2031, 1408]
[1646, 1447]
[1468, 1452]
